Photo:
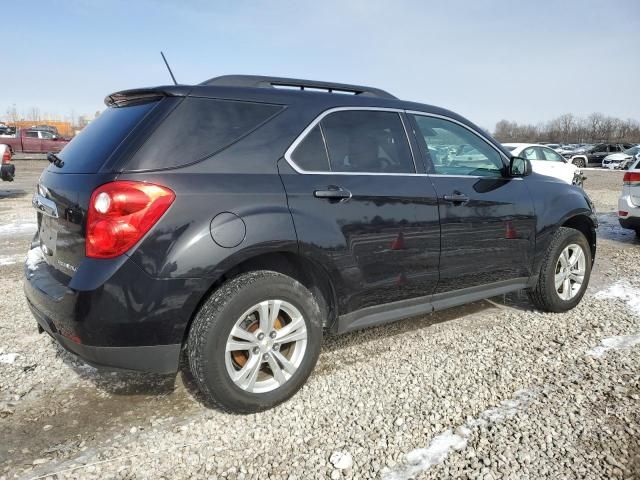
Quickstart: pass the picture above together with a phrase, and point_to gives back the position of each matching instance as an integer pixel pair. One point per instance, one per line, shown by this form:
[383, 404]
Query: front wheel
[565, 272]
[255, 341]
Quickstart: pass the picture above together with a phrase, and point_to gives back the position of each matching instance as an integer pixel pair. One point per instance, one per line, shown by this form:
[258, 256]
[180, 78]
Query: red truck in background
[34, 141]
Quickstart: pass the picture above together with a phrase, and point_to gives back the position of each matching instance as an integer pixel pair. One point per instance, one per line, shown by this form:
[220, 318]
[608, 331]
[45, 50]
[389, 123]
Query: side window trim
[321, 116]
[475, 132]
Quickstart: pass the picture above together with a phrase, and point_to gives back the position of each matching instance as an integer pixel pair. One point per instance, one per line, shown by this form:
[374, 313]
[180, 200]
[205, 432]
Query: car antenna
[168, 68]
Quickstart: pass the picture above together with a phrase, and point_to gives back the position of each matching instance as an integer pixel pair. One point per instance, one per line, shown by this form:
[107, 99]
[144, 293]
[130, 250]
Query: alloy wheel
[266, 346]
[570, 271]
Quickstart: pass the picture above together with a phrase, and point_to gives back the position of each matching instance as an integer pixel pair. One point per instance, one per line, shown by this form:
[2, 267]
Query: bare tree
[568, 128]
[34, 114]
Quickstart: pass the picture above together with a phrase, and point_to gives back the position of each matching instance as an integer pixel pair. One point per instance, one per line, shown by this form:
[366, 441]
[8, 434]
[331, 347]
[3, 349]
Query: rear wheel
[579, 162]
[255, 341]
[565, 272]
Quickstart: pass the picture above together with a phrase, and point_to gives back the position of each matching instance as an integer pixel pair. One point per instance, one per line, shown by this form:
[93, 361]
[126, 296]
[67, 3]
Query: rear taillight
[120, 213]
[6, 156]
[631, 177]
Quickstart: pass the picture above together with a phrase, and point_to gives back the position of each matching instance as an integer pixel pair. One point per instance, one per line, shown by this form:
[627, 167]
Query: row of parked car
[619, 156]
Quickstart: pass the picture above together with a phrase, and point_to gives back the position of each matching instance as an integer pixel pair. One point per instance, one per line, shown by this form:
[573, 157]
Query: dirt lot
[490, 390]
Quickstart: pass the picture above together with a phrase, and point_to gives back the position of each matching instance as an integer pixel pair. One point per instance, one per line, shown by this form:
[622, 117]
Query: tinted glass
[550, 155]
[455, 150]
[88, 151]
[31, 134]
[367, 141]
[198, 128]
[310, 154]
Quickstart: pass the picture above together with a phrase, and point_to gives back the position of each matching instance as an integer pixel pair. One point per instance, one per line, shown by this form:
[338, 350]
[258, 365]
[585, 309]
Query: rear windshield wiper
[55, 159]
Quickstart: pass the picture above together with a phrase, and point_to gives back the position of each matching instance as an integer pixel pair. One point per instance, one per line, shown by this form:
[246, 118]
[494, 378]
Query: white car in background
[622, 160]
[546, 161]
[629, 201]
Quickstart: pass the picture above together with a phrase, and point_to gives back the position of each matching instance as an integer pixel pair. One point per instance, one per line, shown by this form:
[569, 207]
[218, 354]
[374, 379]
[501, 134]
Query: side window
[614, 148]
[455, 150]
[551, 155]
[532, 153]
[198, 128]
[367, 141]
[310, 154]
[47, 135]
[32, 134]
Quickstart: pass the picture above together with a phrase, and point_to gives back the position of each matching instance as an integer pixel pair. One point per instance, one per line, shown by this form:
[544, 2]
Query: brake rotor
[240, 357]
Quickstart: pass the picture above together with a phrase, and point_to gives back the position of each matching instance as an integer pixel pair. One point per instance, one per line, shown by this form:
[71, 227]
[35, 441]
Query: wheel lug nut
[261, 336]
[276, 347]
[265, 356]
[256, 350]
[273, 334]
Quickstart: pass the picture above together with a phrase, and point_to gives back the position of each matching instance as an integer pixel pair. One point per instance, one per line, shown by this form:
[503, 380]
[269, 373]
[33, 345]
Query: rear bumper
[632, 218]
[128, 321]
[162, 359]
[632, 223]
[7, 171]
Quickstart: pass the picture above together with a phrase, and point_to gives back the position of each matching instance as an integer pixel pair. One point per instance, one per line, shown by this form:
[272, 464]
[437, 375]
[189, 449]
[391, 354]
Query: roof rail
[257, 81]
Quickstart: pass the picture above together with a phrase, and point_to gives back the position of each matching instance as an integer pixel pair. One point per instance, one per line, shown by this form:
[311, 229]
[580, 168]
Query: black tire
[213, 323]
[544, 295]
[579, 162]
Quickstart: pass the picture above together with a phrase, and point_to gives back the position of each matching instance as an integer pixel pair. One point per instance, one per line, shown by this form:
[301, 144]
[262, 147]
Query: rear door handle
[456, 197]
[333, 193]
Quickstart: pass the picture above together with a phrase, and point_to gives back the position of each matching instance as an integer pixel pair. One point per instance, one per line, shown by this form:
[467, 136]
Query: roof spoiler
[143, 95]
[256, 81]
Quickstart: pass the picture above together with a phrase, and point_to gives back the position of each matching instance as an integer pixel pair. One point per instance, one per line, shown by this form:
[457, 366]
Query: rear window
[89, 150]
[199, 128]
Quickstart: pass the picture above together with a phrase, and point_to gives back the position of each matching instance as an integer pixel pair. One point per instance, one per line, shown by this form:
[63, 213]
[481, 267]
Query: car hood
[617, 156]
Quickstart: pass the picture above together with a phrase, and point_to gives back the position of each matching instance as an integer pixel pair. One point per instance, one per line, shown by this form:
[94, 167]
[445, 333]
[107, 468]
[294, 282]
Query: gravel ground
[491, 390]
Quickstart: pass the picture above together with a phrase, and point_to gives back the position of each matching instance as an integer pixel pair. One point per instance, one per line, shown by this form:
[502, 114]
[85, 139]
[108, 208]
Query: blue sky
[487, 59]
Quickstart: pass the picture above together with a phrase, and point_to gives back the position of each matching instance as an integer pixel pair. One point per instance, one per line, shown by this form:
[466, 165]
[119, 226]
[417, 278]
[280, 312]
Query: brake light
[6, 156]
[631, 177]
[622, 213]
[120, 213]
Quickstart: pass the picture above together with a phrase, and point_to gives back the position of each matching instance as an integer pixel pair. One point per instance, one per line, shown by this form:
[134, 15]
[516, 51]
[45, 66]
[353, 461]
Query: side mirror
[519, 167]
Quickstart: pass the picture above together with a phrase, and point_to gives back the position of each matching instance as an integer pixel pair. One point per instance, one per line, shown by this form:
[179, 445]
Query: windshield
[632, 150]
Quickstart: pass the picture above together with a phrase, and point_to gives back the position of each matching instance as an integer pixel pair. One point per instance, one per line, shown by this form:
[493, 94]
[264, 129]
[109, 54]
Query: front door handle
[456, 197]
[333, 193]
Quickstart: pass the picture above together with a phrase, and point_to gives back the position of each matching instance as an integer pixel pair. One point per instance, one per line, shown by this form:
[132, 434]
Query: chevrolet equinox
[234, 222]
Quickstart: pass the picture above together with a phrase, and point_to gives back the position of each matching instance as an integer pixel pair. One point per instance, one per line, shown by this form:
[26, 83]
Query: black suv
[594, 154]
[235, 221]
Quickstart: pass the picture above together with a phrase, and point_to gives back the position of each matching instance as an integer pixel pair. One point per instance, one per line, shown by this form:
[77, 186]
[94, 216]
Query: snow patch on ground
[614, 343]
[9, 259]
[421, 459]
[18, 229]
[8, 358]
[625, 292]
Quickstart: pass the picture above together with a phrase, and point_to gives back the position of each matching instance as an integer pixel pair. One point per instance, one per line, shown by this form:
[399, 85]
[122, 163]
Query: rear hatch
[66, 185]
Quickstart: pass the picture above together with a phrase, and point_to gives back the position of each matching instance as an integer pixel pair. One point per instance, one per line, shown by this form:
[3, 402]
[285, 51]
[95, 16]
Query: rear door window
[367, 141]
[199, 128]
[90, 148]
